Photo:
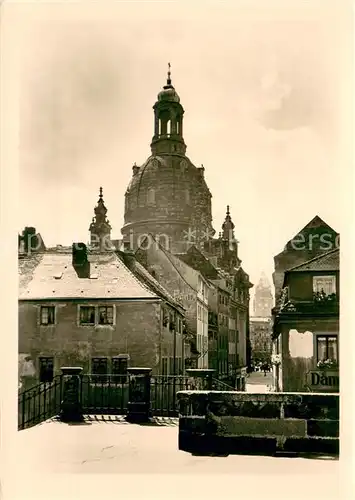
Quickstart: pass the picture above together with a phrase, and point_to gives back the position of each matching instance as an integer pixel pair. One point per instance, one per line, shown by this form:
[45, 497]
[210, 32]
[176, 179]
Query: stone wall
[246, 423]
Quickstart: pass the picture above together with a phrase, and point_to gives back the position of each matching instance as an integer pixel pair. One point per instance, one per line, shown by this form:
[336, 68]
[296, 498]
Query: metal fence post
[71, 405]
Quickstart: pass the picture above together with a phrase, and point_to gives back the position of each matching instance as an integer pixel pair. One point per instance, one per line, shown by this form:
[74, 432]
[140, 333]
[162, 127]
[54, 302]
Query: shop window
[106, 315]
[324, 285]
[87, 315]
[46, 370]
[47, 315]
[327, 347]
[99, 369]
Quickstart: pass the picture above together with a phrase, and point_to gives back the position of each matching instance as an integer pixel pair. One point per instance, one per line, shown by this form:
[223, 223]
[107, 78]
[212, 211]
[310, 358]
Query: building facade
[260, 322]
[167, 215]
[94, 308]
[189, 288]
[306, 317]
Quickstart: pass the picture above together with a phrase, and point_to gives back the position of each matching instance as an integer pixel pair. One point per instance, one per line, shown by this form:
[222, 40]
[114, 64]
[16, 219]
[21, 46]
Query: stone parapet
[268, 423]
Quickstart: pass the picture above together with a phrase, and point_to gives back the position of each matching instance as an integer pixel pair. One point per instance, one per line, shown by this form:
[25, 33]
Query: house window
[324, 284]
[165, 318]
[106, 315]
[99, 369]
[327, 347]
[87, 315]
[46, 369]
[47, 315]
[119, 367]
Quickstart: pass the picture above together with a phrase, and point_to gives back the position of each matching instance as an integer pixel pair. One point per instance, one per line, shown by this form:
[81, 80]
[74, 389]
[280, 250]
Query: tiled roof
[154, 284]
[326, 262]
[53, 276]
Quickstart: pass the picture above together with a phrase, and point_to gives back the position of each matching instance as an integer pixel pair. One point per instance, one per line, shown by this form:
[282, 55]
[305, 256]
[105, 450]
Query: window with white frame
[327, 347]
[47, 315]
[324, 284]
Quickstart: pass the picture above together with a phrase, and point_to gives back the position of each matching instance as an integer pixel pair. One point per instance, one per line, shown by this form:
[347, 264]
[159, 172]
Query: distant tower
[263, 299]
[100, 228]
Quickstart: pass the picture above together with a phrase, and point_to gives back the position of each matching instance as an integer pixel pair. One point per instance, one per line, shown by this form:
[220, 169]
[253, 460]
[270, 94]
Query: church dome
[167, 195]
[168, 94]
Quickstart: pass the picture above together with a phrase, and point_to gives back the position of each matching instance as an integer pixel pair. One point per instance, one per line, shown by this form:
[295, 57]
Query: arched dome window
[187, 196]
[151, 196]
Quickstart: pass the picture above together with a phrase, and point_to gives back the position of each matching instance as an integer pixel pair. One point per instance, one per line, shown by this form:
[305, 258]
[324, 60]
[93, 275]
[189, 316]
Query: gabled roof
[52, 276]
[316, 226]
[172, 258]
[144, 276]
[326, 262]
[195, 259]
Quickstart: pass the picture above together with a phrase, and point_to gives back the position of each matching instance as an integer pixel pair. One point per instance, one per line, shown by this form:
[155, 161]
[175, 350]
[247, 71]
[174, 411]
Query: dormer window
[325, 285]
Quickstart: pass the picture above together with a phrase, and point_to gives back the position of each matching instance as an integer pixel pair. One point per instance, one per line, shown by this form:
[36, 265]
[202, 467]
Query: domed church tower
[167, 196]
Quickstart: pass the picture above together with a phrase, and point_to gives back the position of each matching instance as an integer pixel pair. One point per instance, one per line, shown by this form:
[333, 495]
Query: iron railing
[218, 385]
[104, 394]
[163, 390]
[39, 403]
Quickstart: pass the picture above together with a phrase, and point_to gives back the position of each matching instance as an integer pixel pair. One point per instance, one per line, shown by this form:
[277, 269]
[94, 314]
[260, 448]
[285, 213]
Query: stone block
[311, 445]
[194, 425]
[314, 407]
[324, 428]
[244, 426]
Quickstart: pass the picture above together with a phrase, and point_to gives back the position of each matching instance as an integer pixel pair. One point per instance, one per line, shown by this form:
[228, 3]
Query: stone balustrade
[269, 423]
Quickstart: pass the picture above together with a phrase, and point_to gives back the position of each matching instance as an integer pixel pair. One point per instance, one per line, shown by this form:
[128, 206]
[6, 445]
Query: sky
[264, 85]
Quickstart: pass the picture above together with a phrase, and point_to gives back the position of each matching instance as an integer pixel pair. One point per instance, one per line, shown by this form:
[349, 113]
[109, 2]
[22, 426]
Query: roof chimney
[80, 260]
[29, 241]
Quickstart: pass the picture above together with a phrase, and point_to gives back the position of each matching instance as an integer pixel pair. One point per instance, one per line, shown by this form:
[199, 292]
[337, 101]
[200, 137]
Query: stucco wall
[136, 332]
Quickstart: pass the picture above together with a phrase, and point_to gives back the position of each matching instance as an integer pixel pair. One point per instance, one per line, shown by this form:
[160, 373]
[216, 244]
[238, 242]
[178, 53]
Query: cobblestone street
[258, 382]
[117, 448]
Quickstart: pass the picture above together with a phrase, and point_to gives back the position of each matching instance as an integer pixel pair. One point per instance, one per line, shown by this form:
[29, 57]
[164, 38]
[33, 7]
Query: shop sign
[323, 380]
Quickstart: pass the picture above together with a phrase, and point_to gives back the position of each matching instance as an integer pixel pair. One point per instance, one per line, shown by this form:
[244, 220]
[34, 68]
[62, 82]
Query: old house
[306, 327]
[314, 239]
[189, 287]
[84, 307]
[218, 261]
